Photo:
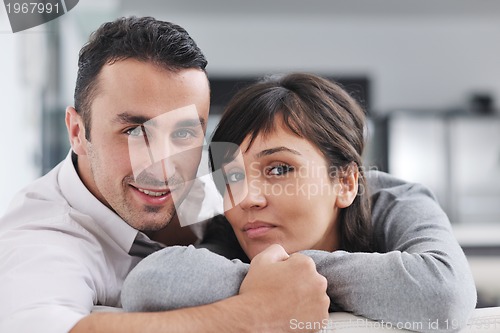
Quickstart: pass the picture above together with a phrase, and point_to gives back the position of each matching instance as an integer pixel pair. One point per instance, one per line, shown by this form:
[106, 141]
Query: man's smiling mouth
[152, 193]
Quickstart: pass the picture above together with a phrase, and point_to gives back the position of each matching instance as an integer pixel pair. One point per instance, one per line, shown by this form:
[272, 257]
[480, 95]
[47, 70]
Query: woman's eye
[136, 131]
[279, 170]
[235, 177]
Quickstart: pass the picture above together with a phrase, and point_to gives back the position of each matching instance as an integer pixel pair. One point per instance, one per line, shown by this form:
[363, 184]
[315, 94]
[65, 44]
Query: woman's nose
[255, 197]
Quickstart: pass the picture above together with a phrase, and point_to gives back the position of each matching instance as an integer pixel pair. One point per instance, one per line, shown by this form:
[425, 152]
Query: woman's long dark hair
[319, 111]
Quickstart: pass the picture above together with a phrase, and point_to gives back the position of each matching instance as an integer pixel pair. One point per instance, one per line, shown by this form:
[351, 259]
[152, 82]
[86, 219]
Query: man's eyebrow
[270, 151]
[191, 122]
[127, 118]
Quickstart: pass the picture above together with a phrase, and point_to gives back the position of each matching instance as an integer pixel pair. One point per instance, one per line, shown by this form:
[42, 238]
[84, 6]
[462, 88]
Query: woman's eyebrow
[270, 151]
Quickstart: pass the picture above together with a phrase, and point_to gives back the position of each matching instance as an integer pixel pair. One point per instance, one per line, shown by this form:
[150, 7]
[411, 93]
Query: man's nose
[165, 156]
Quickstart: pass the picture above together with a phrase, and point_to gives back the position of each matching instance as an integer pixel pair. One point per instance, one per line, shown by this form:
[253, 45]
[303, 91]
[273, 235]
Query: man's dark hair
[146, 39]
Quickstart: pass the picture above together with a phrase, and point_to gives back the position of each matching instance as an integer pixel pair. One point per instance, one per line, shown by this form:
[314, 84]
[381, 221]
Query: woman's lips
[257, 229]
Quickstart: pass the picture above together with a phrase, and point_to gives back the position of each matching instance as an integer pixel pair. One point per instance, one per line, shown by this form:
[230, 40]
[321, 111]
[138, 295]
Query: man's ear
[348, 186]
[76, 131]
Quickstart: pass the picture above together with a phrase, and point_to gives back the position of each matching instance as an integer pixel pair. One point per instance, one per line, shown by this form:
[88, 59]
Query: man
[69, 239]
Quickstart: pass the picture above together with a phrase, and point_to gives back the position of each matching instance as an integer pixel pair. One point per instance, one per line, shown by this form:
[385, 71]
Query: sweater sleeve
[179, 277]
[419, 276]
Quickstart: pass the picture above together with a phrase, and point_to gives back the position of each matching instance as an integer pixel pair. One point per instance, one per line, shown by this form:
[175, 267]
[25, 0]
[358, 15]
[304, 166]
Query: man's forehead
[123, 68]
[143, 89]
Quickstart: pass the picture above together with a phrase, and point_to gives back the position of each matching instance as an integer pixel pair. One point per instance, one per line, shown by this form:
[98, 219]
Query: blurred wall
[19, 115]
[419, 55]
[423, 57]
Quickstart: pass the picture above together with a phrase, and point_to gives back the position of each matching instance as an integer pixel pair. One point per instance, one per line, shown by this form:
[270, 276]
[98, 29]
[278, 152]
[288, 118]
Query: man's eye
[279, 170]
[136, 131]
[182, 134]
[235, 177]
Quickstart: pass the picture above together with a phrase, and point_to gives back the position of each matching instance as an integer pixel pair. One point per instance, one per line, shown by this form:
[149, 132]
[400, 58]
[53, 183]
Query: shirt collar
[80, 198]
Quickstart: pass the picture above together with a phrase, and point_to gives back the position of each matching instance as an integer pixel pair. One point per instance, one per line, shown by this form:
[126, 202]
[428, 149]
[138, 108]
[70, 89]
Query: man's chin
[152, 209]
[151, 226]
[150, 220]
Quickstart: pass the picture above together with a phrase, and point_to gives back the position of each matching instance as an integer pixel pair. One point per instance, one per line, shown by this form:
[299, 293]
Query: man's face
[144, 113]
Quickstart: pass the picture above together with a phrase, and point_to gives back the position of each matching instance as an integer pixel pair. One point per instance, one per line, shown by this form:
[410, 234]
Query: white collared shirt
[61, 252]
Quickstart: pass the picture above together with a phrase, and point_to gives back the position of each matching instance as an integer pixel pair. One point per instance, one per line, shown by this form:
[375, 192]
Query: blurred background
[427, 72]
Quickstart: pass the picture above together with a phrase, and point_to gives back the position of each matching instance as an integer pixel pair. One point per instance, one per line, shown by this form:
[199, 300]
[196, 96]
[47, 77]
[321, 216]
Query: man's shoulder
[32, 209]
[43, 195]
[42, 206]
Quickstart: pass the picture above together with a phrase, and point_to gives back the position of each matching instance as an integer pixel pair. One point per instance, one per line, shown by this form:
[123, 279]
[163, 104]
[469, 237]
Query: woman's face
[280, 191]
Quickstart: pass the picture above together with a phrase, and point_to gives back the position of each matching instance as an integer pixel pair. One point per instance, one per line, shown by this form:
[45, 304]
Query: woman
[297, 180]
[302, 150]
